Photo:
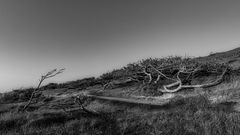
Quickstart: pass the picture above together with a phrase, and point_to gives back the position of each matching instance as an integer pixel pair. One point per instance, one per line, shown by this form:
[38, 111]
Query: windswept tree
[48, 75]
[169, 74]
[182, 72]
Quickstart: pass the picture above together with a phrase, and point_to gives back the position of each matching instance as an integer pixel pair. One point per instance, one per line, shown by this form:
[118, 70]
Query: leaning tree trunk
[46, 76]
[32, 95]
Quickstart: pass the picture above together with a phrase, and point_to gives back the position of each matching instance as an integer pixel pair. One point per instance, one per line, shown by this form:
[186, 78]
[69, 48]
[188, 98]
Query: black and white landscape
[126, 67]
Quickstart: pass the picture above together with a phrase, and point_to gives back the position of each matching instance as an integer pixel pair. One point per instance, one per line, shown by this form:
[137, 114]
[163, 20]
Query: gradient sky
[92, 37]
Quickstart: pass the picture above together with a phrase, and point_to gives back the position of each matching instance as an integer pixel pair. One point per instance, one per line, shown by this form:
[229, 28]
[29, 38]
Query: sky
[91, 37]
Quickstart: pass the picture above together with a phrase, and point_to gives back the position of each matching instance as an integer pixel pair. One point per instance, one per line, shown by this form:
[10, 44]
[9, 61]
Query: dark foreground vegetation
[56, 111]
[191, 116]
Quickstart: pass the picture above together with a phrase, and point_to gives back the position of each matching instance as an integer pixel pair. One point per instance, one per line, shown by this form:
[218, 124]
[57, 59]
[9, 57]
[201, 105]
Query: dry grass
[193, 115]
[199, 112]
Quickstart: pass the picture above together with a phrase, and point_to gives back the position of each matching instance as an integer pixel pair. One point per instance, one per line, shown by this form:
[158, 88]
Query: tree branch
[46, 76]
[180, 86]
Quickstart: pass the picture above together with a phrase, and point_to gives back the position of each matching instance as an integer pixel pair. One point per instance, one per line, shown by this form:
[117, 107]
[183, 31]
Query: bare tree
[178, 82]
[43, 77]
[181, 86]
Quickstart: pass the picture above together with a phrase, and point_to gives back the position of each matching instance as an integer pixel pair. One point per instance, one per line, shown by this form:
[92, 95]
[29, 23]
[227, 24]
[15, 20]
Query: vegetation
[170, 74]
[189, 116]
[44, 77]
[193, 109]
[19, 95]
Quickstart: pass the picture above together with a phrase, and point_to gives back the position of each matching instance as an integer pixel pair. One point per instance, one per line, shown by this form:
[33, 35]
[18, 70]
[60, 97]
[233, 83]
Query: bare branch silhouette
[178, 83]
[49, 74]
[180, 86]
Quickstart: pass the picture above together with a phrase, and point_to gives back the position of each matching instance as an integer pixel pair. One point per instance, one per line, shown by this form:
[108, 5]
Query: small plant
[83, 100]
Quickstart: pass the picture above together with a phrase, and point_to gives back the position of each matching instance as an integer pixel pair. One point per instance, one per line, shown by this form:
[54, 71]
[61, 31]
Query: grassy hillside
[146, 109]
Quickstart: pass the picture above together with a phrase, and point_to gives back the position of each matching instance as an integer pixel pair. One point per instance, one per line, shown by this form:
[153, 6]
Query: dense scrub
[168, 65]
[154, 74]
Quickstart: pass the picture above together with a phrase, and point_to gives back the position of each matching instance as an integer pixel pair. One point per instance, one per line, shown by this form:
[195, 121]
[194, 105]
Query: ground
[124, 110]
